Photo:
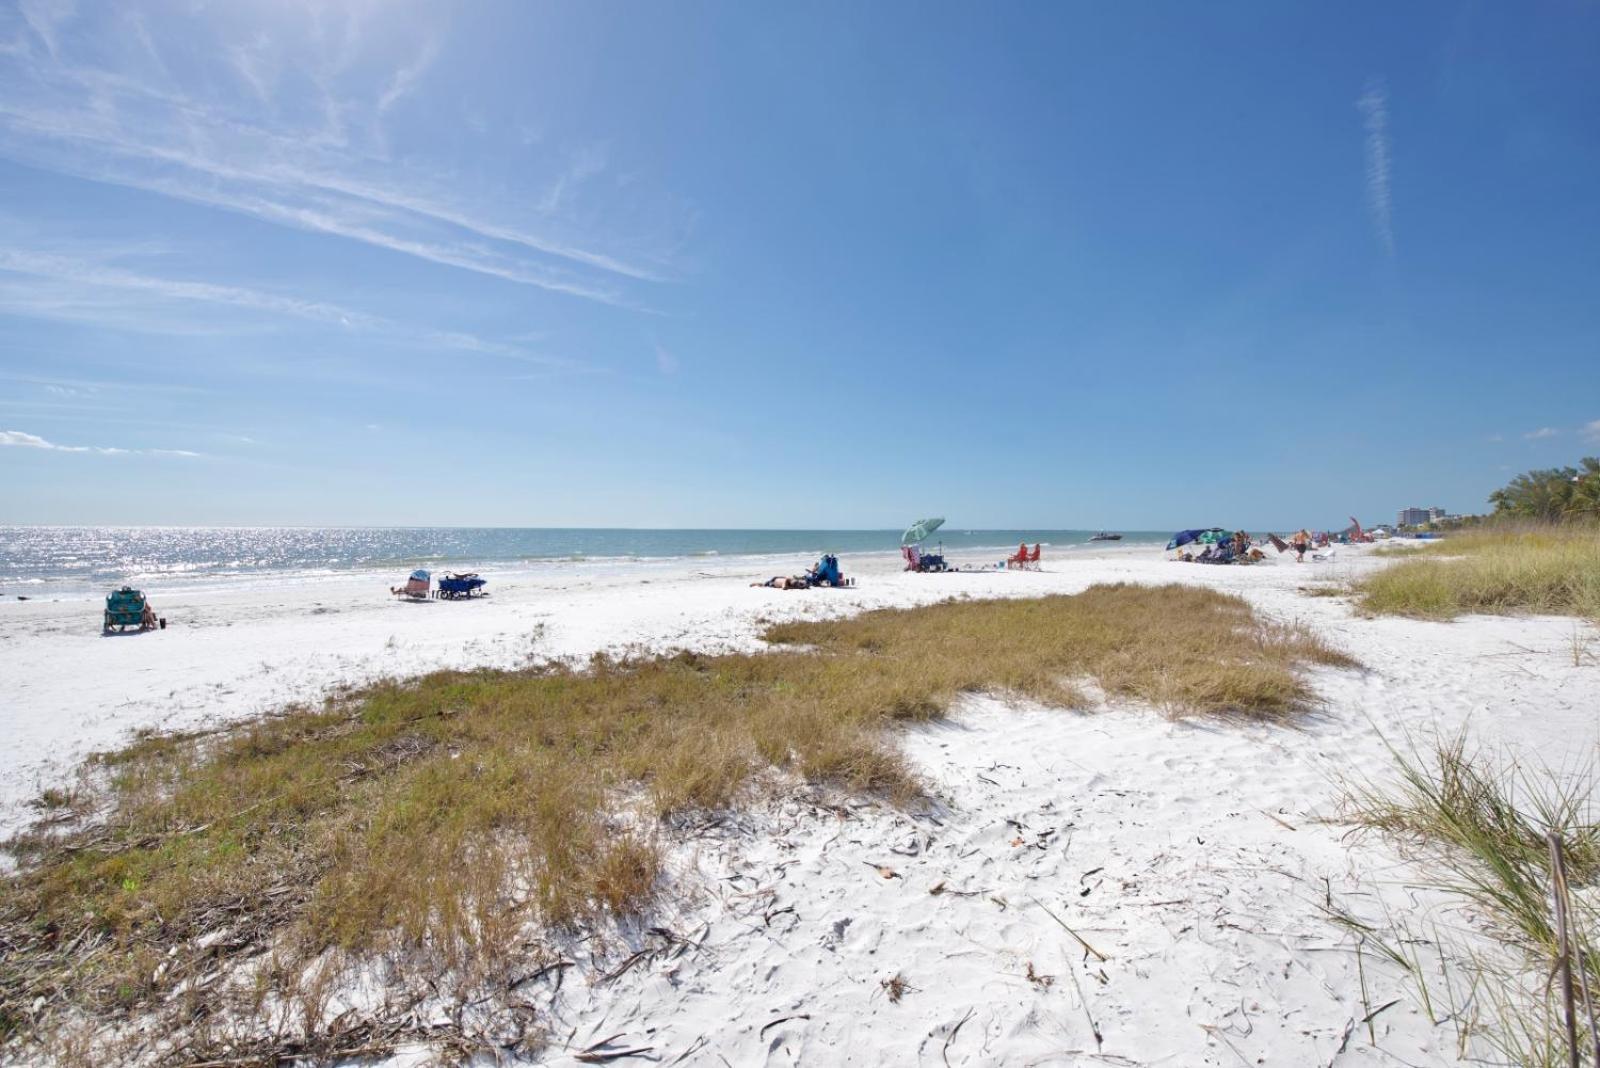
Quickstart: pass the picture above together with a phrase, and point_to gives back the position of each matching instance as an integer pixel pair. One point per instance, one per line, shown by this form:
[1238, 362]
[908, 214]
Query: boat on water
[1103, 536]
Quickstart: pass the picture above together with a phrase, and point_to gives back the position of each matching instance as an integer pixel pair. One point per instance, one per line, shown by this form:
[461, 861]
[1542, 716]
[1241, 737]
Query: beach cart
[455, 587]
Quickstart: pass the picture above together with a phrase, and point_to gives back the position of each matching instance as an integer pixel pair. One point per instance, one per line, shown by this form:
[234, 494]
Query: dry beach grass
[1547, 569]
[445, 826]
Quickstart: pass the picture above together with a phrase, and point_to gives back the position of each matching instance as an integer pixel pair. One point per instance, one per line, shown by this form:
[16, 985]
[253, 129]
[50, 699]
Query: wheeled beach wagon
[126, 608]
[454, 587]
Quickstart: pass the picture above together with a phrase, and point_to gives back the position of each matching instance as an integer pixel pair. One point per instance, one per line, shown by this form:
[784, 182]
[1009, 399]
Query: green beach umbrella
[920, 530]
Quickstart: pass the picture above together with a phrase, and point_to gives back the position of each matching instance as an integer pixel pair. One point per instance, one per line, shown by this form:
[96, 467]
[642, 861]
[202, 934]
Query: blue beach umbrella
[1205, 536]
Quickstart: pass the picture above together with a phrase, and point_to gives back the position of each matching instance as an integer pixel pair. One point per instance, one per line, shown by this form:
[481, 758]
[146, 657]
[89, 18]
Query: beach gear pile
[911, 546]
[917, 560]
[128, 607]
[826, 573]
[1215, 546]
[455, 586]
[417, 587]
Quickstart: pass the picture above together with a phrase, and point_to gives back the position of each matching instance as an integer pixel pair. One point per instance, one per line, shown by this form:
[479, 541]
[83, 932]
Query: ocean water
[44, 561]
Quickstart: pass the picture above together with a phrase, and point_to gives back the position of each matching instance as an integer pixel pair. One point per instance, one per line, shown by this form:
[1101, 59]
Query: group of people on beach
[1239, 547]
[1236, 549]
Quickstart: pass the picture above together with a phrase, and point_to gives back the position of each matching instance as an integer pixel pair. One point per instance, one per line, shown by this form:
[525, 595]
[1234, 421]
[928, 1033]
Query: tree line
[1552, 495]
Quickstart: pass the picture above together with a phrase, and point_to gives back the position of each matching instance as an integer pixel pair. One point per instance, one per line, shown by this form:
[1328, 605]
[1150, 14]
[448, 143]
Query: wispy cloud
[115, 122]
[251, 63]
[24, 440]
[1591, 430]
[48, 265]
[81, 274]
[44, 17]
[405, 79]
[1542, 433]
[82, 386]
[1374, 105]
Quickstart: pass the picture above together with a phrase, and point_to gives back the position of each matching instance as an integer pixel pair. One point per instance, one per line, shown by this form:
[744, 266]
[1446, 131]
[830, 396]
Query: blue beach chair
[126, 608]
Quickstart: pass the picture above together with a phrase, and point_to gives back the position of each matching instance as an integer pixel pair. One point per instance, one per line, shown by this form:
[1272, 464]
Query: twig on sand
[1216, 1032]
[1094, 1028]
[1086, 946]
[558, 967]
[1344, 1040]
[622, 968]
[944, 1054]
[598, 1053]
[594, 1055]
[780, 1020]
[1281, 823]
[680, 1058]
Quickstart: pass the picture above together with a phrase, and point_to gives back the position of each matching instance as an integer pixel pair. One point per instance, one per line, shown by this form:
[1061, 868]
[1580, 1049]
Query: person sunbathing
[786, 582]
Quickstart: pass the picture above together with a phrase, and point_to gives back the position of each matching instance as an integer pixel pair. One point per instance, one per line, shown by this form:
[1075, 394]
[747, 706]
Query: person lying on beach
[786, 582]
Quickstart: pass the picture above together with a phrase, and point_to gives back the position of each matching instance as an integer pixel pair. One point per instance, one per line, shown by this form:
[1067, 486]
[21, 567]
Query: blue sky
[820, 265]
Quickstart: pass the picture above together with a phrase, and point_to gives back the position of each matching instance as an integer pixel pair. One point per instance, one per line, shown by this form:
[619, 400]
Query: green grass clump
[443, 823]
[1553, 570]
[1483, 827]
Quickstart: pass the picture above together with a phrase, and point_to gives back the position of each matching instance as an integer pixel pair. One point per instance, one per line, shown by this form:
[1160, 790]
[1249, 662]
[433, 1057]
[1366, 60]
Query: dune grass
[1541, 569]
[1481, 825]
[447, 825]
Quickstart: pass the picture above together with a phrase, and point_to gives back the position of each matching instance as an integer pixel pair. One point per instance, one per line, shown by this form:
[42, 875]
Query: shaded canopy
[1205, 536]
[921, 529]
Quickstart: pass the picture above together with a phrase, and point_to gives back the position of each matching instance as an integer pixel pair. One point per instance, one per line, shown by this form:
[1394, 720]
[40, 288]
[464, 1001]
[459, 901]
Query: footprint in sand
[833, 938]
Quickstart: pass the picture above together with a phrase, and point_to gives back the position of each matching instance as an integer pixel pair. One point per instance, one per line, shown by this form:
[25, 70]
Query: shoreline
[169, 584]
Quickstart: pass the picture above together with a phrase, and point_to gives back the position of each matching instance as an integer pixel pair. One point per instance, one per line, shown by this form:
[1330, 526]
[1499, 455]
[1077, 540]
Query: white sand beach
[1197, 859]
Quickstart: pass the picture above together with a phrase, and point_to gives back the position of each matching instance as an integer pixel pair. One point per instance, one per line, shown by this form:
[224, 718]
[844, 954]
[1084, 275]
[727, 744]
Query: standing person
[1300, 543]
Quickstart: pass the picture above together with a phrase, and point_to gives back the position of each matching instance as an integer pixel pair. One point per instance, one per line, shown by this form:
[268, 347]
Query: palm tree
[1552, 494]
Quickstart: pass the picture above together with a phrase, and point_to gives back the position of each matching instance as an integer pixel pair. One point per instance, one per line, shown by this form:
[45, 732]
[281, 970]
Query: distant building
[1421, 517]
